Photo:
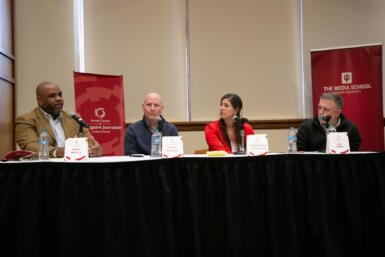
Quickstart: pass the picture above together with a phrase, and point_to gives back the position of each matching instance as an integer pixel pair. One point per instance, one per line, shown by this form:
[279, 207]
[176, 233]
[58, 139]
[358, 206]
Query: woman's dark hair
[236, 102]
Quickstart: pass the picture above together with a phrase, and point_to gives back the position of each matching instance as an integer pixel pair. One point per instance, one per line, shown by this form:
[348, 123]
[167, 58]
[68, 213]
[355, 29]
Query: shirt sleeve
[130, 146]
[174, 131]
[26, 135]
[354, 138]
[89, 136]
[213, 140]
[301, 139]
[248, 130]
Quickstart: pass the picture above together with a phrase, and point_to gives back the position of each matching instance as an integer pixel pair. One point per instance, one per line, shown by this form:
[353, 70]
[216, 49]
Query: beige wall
[247, 47]
[235, 47]
[144, 40]
[44, 49]
[250, 47]
[330, 23]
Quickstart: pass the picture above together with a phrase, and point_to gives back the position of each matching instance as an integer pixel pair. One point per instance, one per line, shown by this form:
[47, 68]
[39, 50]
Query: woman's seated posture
[225, 133]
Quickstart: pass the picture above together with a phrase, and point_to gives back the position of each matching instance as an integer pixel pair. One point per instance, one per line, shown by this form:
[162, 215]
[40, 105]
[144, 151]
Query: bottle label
[43, 142]
[292, 138]
[156, 140]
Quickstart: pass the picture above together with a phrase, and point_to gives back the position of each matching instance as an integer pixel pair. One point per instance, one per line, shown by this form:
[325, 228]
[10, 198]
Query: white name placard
[172, 147]
[76, 149]
[257, 144]
[337, 143]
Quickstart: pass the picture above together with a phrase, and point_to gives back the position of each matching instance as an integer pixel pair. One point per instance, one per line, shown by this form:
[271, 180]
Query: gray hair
[334, 97]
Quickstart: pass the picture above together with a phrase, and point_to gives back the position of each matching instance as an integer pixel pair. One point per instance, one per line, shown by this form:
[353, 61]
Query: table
[277, 205]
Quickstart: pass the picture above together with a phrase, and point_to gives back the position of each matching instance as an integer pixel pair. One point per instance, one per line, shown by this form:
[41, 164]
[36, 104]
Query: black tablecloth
[281, 205]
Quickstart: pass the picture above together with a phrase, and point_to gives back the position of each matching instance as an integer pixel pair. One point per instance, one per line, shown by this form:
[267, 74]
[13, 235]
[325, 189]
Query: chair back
[201, 151]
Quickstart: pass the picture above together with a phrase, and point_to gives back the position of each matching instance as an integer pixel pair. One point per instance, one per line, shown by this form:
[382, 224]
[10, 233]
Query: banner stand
[99, 99]
[355, 72]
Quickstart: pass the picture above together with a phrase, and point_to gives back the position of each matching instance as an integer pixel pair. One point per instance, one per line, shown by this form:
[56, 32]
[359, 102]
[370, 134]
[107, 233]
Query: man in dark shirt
[137, 139]
[311, 135]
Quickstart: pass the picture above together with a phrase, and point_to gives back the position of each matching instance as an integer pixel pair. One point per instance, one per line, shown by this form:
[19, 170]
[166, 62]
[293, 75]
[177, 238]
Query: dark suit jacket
[29, 126]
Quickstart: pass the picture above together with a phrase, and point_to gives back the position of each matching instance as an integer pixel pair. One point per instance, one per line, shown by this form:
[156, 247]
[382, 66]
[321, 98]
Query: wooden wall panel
[6, 26]
[6, 117]
[6, 67]
[7, 78]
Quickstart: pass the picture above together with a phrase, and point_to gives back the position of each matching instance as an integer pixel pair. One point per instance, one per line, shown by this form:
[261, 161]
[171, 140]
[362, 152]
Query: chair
[201, 151]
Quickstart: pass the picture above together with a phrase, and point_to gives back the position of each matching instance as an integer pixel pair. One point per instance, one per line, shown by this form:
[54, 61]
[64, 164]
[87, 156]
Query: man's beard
[51, 109]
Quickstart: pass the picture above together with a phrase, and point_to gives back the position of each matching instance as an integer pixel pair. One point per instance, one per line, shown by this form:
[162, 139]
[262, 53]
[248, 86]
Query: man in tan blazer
[50, 116]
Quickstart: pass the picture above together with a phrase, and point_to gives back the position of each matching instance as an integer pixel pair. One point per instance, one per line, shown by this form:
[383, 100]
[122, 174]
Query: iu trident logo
[346, 77]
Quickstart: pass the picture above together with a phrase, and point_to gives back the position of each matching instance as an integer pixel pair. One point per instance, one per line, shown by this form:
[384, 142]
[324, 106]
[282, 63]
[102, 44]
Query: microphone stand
[159, 124]
[242, 150]
[81, 130]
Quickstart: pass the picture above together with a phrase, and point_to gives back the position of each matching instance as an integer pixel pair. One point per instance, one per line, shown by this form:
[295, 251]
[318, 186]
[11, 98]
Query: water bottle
[156, 144]
[331, 128]
[43, 145]
[292, 141]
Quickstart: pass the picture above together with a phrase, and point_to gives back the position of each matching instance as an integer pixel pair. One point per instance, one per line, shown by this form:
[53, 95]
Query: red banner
[99, 100]
[356, 74]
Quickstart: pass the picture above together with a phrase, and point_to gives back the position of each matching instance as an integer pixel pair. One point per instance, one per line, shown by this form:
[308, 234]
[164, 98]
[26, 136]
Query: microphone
[239, 119]
[326, 118]
[243, 120]
[242, 130]
[79, 120]
[159, 120]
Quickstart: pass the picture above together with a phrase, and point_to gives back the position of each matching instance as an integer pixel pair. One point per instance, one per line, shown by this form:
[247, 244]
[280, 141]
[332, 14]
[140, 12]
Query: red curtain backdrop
[356, 74]
[99, 99]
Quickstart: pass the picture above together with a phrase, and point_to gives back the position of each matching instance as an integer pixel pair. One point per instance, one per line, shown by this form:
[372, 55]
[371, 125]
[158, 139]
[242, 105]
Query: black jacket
[311, 136]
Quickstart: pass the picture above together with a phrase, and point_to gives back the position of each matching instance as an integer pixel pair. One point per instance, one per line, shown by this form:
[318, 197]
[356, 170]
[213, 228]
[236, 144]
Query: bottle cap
[156, 129]
[331, 124]
[43, 130]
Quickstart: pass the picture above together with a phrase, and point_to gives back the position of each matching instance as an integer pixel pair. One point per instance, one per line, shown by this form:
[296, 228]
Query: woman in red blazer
[225, 134]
